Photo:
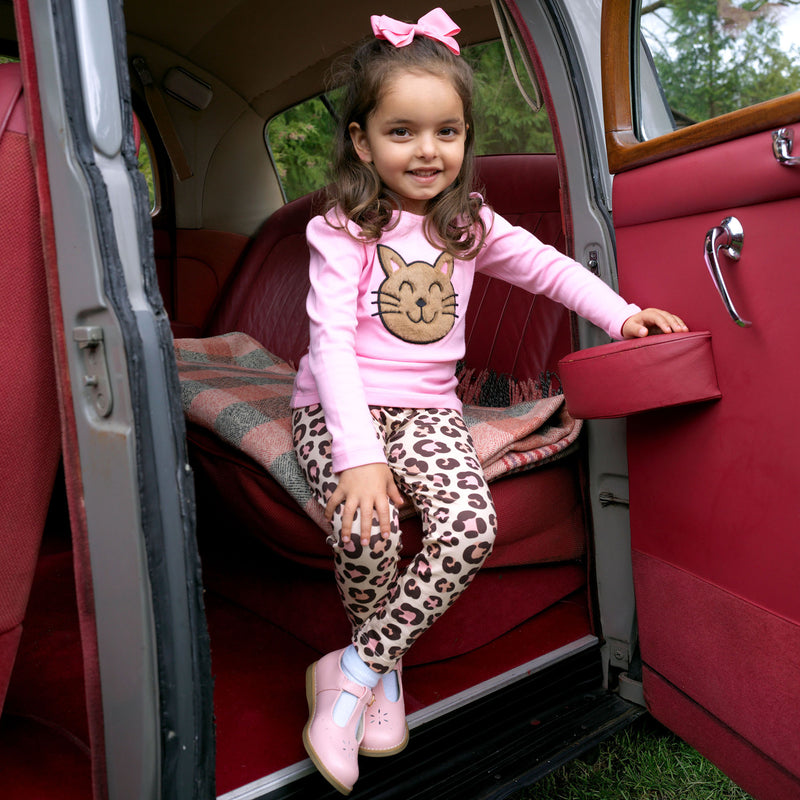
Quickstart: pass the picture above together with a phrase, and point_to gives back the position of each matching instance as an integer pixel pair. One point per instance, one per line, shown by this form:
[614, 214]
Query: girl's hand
[364, 488]
[652, 320]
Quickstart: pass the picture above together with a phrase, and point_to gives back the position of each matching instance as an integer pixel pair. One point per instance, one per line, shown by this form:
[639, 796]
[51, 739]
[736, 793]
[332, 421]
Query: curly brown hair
[452, 218]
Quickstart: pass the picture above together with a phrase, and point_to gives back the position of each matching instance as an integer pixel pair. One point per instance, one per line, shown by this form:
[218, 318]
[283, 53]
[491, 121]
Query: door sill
[485, 743]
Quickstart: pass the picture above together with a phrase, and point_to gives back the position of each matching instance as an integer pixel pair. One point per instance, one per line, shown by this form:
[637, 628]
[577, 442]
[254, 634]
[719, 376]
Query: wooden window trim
[625, 151]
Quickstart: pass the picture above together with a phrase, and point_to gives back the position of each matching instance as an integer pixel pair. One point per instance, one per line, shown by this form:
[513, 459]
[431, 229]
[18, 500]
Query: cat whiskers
[384, 299]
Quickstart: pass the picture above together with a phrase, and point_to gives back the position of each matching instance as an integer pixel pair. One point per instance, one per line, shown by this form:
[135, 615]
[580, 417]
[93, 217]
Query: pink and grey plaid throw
[238, 390]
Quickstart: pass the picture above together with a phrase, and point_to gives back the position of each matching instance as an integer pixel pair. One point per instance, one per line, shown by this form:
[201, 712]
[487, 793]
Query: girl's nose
[426, 146]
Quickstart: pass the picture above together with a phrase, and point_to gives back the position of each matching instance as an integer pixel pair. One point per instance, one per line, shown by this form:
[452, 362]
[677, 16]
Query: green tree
[300, 139]
[716, 56]
[503, 122]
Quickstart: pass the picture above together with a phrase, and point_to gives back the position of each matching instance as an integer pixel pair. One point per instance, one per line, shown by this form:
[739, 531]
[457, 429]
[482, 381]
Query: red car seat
[29, 418]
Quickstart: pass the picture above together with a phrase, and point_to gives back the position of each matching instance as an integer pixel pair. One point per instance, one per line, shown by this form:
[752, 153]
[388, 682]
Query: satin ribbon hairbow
[435, 25]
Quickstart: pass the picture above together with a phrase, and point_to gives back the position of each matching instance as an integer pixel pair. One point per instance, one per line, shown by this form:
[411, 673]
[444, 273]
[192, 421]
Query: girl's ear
[360, 142]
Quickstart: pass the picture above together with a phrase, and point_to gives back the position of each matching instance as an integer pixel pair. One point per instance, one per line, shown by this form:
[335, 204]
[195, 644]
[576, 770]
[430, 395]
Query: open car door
[713, 487]
[145, 657]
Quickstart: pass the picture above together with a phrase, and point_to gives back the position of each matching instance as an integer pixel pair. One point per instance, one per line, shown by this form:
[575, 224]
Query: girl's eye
[448, 132]
[400, 132]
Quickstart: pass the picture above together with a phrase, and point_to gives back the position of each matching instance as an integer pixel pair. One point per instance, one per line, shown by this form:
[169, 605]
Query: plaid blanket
[235, 388]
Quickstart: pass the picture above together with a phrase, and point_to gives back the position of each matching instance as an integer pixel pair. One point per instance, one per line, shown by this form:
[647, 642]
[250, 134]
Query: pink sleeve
[517, 256]
[335, 268]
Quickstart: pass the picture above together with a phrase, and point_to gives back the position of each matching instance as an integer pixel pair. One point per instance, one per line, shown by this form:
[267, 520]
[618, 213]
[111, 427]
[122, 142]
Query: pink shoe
[333, 749]
[385, 728]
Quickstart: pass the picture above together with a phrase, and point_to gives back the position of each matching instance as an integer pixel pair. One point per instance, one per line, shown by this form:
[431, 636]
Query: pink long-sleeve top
[387, 319]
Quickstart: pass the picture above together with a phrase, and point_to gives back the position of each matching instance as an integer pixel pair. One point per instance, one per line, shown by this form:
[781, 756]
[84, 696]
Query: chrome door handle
[782, 147]
[727, 236]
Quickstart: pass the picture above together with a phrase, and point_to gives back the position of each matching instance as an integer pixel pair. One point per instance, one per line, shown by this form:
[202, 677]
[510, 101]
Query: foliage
[300, 139]
[146, 168]
[503, 122]
[643, 762]
[715, 56]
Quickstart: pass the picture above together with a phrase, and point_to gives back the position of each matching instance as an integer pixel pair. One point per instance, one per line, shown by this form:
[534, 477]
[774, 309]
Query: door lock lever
[727, 236]
[782, 140]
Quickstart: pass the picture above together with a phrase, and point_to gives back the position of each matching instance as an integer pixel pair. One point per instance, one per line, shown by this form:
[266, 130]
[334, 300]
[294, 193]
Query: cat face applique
[416, 302]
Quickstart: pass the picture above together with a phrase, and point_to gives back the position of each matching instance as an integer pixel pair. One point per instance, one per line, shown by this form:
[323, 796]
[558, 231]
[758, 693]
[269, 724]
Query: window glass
[717, 56]
[300, 142]
[504, 123]
[300, 138]
[147, 168]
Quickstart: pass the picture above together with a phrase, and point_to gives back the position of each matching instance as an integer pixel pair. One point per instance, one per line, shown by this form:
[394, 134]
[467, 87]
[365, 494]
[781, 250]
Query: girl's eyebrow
[403, 121]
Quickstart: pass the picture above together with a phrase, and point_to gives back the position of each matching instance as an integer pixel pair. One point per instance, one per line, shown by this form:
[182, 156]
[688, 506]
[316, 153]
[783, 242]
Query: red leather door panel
[714, 488]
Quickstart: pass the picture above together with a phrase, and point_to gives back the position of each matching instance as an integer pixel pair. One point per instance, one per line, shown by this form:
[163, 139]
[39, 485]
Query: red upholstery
[713, 519]
[193, 266]
[266, 298]
[252, 501]
[522, 334]
[44, 734]
[526, 334]
[29, 420]
[624, 378]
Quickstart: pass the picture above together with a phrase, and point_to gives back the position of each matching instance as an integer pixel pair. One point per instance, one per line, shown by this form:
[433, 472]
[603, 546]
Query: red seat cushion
[29, 420]
[539, 512]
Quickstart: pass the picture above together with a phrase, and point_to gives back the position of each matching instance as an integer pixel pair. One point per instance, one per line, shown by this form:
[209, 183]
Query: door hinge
[95, 378]
[630, 689]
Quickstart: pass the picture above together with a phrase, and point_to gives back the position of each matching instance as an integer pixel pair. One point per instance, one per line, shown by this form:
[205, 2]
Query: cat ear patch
[391, 260]
[446, 264]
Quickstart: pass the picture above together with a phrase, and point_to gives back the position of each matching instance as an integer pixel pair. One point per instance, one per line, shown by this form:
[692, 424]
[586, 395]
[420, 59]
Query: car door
[715, 520]
[145, 649]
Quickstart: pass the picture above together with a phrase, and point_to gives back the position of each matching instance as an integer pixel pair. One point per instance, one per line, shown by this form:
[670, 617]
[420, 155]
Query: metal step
[495, 746]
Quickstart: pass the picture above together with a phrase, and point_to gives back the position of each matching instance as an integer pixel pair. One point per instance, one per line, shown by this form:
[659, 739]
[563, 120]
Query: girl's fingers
[348, 513]
[384, 518]
[365, 519]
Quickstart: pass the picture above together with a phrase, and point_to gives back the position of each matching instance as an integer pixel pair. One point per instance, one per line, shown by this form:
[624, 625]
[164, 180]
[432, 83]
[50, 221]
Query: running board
[494, 746]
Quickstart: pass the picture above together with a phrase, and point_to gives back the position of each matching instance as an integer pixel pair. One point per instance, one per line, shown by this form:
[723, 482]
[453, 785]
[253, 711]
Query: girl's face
[415, 137]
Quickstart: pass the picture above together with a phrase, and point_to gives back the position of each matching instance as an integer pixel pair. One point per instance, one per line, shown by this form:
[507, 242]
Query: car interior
[231, 256]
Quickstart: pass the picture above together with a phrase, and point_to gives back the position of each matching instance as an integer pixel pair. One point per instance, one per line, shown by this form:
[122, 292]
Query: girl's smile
[415, 137]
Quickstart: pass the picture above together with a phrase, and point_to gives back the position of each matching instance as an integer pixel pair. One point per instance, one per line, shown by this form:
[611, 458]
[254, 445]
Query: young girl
[375, 409]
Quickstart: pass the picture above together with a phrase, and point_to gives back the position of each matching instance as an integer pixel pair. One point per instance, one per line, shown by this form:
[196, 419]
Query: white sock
[391, 686]
[343, 710]
[358, 672]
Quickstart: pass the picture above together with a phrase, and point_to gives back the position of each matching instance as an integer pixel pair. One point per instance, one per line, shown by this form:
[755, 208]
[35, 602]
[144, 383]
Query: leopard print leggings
[434, 463]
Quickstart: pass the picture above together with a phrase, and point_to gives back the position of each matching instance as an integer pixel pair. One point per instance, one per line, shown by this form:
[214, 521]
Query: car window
[712, 57]
[300, 138]
[147, 166]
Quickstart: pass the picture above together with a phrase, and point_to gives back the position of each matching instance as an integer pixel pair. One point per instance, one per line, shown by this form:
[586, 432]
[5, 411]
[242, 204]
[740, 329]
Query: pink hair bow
[435, 25]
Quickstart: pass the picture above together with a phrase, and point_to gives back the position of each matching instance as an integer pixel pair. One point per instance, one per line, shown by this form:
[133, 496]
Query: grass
[643, 762]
